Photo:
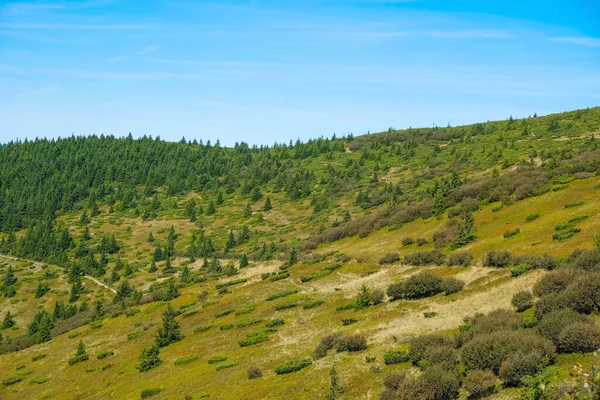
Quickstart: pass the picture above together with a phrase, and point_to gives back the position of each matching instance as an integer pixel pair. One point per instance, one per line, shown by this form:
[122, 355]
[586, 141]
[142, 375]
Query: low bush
[587, 260]
[497, 259]
[12, 380]
[421, 241]
[422, 285]
[79, 358]
[435, 383]
[511, 233]
[349, 321]
[429, 314]
[226, 327]
[313, 304]
[420, 344]
[279, 276]
[532, 217]
[395, 291]
[216, 359]
[231, 283]
[407, 241]
[583, 294]
[564, 235]
[575, 204]
[423, 258]
[522, 300]
[488, 351]
[253, 338]
[554, 322]
[186, 359]
[520, 270]
[376, 297]
[254, 372]
[247, 322]
[226, 365]
[554, 282]
[497, 320]
[579, 337]
[105, 354]
[394, 379]
[274, 322]
[285, 306]
[150, 392]
[548, 303]
[283, 293]
[201, 329]
[396, 357]
[351, 343]
[327, 343]
[445, 356]
[452, 285]
[480, 383]
[223, 313]
[389, 258]
[292, 366]
[460, 259]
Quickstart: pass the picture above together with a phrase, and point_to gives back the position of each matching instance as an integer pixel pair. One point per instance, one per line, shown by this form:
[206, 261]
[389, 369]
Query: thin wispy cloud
[466, 34]
[578, 40]
[77, 26]
[31, 7]
[143, 51]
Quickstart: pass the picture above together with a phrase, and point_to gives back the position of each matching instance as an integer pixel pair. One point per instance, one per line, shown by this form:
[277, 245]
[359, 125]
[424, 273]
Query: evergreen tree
[362, 299]
[168, 268]
[76, 288]
[8, 321]
[158, 253]
[210, 209]
[84, 219]
[185, 274]
[248, 211]
[267, 206]
[152, 267]
[219, 200]
[465, 232]
[123, 291]
[256, 194]
[244, 261]
[150, 238]
[170, 332]
[190, 210]
[335, 387]
[439, 203]
[230, 242]
[9, 281]
[114, 275]
[41, 290]
[149, 358]
[172, 290]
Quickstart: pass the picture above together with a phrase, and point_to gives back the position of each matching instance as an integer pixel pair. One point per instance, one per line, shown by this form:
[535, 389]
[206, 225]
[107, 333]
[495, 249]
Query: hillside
[250, 257]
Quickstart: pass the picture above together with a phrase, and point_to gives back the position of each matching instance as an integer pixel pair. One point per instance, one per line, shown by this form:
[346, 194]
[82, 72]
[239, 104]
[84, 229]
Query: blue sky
[262, 71]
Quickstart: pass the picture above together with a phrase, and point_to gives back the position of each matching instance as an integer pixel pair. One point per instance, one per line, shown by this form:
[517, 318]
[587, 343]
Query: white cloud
[578, 40]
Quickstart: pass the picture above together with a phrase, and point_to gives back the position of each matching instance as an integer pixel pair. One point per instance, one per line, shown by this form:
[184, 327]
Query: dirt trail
[451, 314]
[39, 265]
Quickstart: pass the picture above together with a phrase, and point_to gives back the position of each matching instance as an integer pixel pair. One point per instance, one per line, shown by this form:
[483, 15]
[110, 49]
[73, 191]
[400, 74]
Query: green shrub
[292, 366]
[435, 383]
[351, 343]
[395, 291]
[487, 351]
[327, 343]
[105, 354]
[550, 302]
[422, 258]
[394, 379]
[480, 383]
[254, 372]
[285, 306]
[247, 322]
[554, 282]
[186, 359]
[389, 258]
[452, 285]
[565, 234]
[461, 259]
[150, 392]
[532, 217]
[520, 270]
[554, 322]
[396, 357]
[429, 314]
[349, 321]
[40, 380]
[253, 338]
[274, 322]
[422, 285]
[583, 294]
[279, 276]
[376, 297]
[579, 337]
[497, 320]
[281, 294]
[226, 365]
[313, 304]
[420, 344]
[497, 259]
[226, 327]
[407, 241]
[346, 306]
[78, 358]
[522, 300]
[217, 359]
[201, 329]
[12, 380]
[223, 313]
[575, 204]
[445, 356]
[38, 357]
[511, 233]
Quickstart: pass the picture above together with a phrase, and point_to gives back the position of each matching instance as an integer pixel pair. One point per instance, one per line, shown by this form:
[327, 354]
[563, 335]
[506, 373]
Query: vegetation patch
[217, 359]
[231, 283]
[575, 204]
[186, 359]
[283, 293]
[313, 304]
[292, 366]
[150, 392]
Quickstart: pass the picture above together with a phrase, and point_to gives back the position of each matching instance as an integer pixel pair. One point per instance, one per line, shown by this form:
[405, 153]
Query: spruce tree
[248, 211]
[172, 290]
[149, 358]
[8, 321]
[267, 206]
[219, 198]
[9, 280]
[152, 267]
[335, 387]
[170, 332]
[244, 261]
[210, 209]
[362, 299]
[185, 274]
[168, 268]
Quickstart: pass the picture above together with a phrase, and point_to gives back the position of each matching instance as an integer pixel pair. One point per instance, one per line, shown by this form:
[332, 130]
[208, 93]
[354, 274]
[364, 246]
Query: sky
[265, 71]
